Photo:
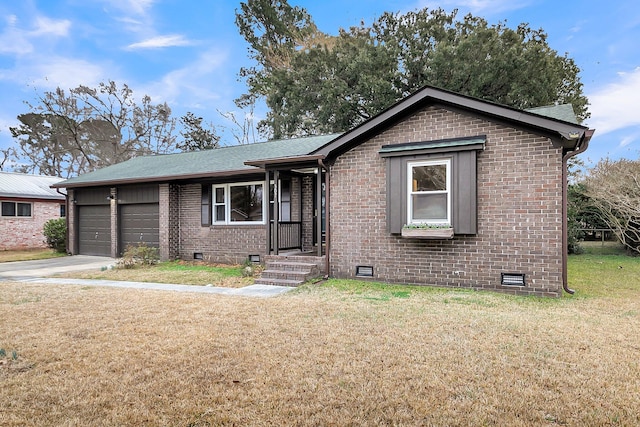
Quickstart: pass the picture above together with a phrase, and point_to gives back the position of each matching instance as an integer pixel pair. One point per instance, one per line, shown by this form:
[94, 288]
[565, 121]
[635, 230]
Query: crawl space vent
[254, 258]
[198, 256]
[364, 271]
[513, 279]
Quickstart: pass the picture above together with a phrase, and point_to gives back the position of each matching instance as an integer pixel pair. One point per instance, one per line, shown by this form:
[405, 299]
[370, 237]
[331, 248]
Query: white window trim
[16, 209]
[410, 192]
[227, 204]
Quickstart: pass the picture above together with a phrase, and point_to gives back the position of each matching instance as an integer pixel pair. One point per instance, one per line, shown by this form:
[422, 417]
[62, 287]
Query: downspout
[327, 215]
[565, 220]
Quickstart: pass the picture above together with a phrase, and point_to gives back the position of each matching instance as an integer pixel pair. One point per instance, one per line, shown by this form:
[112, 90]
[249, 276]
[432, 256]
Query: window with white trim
[240, 203]
[13, 209]
[429, 192]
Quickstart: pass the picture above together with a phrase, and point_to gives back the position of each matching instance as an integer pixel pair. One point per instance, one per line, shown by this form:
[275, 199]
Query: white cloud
[16, 40]
[189, 84]
[50, 27]
[615, 106]
[629, 139]
[61, 72]
[161, 41]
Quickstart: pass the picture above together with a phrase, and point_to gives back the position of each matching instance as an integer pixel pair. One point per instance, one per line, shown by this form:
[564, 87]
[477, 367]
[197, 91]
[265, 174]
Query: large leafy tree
[69, 133]
[315, 83]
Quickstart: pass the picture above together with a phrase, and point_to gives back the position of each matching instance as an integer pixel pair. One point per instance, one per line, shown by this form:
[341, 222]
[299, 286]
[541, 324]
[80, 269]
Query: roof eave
[169, 178]
[285, 161]
[561, 131]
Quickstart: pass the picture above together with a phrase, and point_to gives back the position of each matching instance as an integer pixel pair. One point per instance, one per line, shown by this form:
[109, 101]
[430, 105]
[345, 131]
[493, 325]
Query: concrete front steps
[290, 270]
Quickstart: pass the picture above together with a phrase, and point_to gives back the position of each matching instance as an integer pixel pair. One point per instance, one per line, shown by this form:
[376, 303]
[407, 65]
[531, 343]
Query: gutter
[581, 148]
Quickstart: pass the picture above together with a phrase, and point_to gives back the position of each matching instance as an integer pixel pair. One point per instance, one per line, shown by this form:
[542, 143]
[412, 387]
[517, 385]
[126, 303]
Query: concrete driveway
[21, 270]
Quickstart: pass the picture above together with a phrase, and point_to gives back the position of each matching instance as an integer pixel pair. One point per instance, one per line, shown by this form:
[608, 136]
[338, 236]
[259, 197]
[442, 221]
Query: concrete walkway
[40, 271]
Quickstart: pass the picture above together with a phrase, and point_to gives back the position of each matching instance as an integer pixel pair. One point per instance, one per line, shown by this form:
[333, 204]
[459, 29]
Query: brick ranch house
[28, 202]
[490, 180]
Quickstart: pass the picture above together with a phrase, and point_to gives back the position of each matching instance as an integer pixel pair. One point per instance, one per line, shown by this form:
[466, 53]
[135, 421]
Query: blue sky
[188, 52]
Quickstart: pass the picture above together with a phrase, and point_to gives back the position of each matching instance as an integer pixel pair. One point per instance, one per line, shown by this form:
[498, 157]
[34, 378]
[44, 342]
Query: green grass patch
[174, 272]
[29, 255]
[220, 270]
[604, 275]
[603, 248]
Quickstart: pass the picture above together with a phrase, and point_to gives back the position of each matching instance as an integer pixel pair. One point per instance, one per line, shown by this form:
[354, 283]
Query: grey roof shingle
[562, 112]
[198, 163]
[18, 185]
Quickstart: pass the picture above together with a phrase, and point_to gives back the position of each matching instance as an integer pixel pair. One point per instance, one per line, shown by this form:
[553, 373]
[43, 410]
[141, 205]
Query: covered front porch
[297, 205]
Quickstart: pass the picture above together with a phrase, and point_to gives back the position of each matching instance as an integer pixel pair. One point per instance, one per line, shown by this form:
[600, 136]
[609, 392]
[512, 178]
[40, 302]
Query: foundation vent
[512, 279]
[364, 271]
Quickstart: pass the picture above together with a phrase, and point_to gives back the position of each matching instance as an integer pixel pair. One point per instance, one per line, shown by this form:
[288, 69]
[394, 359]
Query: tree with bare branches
[69, 133]
[614, 188]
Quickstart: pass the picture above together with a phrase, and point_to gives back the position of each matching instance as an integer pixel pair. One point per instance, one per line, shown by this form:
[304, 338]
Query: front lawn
[338, 353]
[178, 272]
[28, 254]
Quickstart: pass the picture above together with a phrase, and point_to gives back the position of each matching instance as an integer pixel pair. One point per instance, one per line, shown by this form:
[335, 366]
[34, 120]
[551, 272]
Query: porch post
[319, 207]
[267, 176]
[276, 212]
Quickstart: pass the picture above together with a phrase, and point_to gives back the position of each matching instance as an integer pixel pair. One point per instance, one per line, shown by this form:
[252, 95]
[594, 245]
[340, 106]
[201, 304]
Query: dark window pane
[24, 209]
[430, 178]
[246, 202]
[220, 213]
[8, 209]
[220, 195]
[429, 207]
[63, 211]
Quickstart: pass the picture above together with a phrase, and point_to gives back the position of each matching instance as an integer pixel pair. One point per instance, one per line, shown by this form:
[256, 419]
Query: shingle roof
[561, 112]
[194, 164]
[17, 185]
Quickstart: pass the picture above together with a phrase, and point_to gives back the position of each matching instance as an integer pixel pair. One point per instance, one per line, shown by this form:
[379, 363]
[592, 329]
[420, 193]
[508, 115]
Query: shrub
[139, 255]
[55, 231]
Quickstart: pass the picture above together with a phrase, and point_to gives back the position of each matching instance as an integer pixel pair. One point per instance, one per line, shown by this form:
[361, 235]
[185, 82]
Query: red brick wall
[218, 243]
[26, 232]
[519, 211]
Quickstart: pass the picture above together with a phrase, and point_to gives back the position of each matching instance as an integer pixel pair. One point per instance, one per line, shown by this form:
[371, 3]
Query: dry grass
[344, 353]
[184, 273]
[28, 254]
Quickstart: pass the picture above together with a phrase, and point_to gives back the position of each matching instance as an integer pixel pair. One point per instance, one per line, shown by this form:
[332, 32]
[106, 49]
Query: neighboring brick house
[28, 202]
[489, 180]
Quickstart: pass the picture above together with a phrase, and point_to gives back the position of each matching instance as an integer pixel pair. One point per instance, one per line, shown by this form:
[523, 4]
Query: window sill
[428, 233]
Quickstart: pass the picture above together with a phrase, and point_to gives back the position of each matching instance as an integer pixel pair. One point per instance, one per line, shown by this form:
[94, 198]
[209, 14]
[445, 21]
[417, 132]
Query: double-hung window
[429, 198]
[240, 203]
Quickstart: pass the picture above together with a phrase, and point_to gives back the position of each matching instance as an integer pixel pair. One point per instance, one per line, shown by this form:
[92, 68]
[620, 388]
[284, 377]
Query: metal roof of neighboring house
[197, 164]
[18, 185]
[562, 112]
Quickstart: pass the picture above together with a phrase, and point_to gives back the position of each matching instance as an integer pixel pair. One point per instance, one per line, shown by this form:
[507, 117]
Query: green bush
[139, 255]
[55, 231]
